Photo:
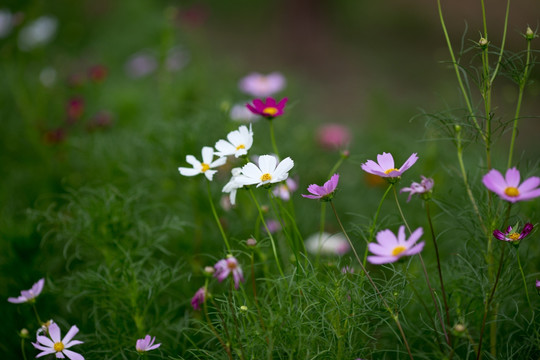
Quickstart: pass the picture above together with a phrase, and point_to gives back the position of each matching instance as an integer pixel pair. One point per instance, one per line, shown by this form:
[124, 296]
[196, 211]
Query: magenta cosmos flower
[512, 235]
[384, 167]
[198, 299]
[227, 266]
[29, 295]
[423, 187]
[269, 108]
[508, 187]
[260, 85]
[324, 192]
[390, 248]
[56, 345]
[146, 344]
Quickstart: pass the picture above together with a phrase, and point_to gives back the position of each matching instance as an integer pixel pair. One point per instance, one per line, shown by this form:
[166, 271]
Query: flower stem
[36, 313]
[524, 281]
[22, 349]
[373, 226]
[401, 212]
[273, 138]
[273, 243]
[395, 316]
[216, 216]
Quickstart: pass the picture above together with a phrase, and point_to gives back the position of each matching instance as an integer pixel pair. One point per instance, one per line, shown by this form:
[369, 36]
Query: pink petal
[45, 341]
[312, 196]
[378, 249]
[378, 260]
[512, 177]
[282, 103]
[372, 167]
[415, 249]
[494, 181]
[529, 195]
[73, 355]
[271, 102]
[70, 334]
[410, 162]
[54, 333]
[387, 239]
[386, 161]
[415, 236]
[401, 235]
[529, 184]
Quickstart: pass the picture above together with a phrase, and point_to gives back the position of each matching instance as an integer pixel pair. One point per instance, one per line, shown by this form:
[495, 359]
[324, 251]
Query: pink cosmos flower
[56, 345]
[29, 295]
[384, 167]
[508, 187]
[260, 85]
[269, 108]
[513, 236]
[198, 299]
[146, 344]
[390, 248]
[284, 191]
[324, 192]
[333, 136]
[273, 226]
[227, 266]
[424, 187]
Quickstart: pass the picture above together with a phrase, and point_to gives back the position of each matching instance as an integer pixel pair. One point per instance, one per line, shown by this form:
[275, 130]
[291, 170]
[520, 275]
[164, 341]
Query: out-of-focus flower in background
[102, 120]
[177, 59]
[333, 136]
[240, 112]
[260, 85]
[75, 109]
[38, 33]
[141, 64]
[327, 244]
[47, 76]
[284, 191]
[54, 136]
[6, 23]
[97, 73]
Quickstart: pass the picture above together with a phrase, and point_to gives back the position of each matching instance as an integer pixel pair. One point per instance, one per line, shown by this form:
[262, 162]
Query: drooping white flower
[231, 187]
[238, 144]
[203, 167]
[267, 172]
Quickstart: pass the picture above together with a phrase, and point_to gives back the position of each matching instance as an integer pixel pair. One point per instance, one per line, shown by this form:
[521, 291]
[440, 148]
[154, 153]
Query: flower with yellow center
[509, 187]
[54, 344]
[385, 166]
[513, 236]
[267, 172]
[390, 248]
[271, 111]
[238, 142]
[269, 108]
[205, 167]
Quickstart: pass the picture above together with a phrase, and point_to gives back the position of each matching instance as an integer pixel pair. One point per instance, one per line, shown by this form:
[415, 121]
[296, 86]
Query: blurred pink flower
[269, 108]
[198, 299]
[97, 73]
[75, 109]
[29, 295]
[101, 120]
[508, 187]
[227, 266]
[389, 248]
[141, 64]
[273, 226]
[333, 136]
[146, 344]
[259, 85]
[384, 167]
[324, 192]
[424, 187]
[284, 191]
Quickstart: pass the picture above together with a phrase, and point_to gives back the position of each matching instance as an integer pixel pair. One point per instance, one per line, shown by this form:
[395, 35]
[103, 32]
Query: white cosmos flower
[239, 143]
[266, 173]
[231, 187]
[204, 166]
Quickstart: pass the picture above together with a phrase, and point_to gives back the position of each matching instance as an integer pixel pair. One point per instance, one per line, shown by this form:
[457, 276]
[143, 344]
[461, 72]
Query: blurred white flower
[6, 23]
[240, 112]
[327, 244]
[38, 33]
[47, 76]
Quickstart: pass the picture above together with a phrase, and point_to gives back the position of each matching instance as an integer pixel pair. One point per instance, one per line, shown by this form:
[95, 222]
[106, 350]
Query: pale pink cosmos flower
[146, 344]
[384, 167]
[203, 167]
[423, 187]
[268, 108]
[327, 244]
[333, 136]
[260, 85]
[284, 191]
[227, 266]
[273, 226]
[324, 192]
[56, 345]
[238, 142]
[29, 295]
[389, 248]
[508, 187]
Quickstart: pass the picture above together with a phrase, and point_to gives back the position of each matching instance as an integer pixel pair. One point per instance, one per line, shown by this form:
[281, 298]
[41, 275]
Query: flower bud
[251, 242]
[208, 270]
[457, 128]
[483, 43]
[243, 308]
[530, 34]
[24, 333]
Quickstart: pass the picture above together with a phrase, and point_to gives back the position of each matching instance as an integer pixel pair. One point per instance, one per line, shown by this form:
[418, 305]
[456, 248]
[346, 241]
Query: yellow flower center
[58, 346]
[241, 146]
[513, 236]
[398, 250]
[266, 177]
[511, 191]
[204, 167]
[390, 170]
[270, 111]
[231, 265]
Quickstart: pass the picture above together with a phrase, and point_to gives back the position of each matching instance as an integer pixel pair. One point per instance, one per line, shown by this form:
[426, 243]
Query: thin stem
[216, 216]
[374, 223]
[273, 138]
[36, 313]
[401, 212]
[394, 315]
[22, 349]
[273, 243]
[236, 327]
[321, 230]
[254, 287]
[524, 281]
[503, 42]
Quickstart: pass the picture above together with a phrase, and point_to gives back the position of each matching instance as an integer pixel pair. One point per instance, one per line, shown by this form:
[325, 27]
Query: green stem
[216, 216]
[36, 313]
[273, 138]
[401, 212]
[216, 334]
[524, 281]
[394, 315]
[22, 349]
[373, 226]
[261, 216]
[321, 230]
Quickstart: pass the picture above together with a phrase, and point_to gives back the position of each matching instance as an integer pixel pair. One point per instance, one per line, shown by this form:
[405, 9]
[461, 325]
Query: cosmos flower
[29, 295]
[325, 192]
[260, 85]
[198, 299]
[56, 345]
[327, 244]
[424, 187]
[284, 191]
[269, 108]
[204, 166]
[231, 187]
[238, 144]
[384, 167]
[333, 136]
[508, 187]
[266, 172]
[390, 248]
[146, 344]
[512, 235]
[227, 266]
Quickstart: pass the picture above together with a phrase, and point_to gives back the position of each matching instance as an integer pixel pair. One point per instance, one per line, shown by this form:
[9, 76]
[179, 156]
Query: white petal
[283, 168]
[190, 159]
[267, 164]
[251, 170]
[189, 172]
[224, 148]
[207, 154]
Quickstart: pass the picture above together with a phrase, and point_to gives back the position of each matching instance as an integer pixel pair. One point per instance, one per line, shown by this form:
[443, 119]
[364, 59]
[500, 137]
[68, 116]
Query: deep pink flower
[333, 136]
[390, 248]
[56, 345]
[508, 187]
[260, 85]
[29, 295]
[538, 285]
[513, 236]
[227, 266]
[268, 109]
[424, 187]
[324, 192]
[198, 299]
[75, 109]
[146, 344]
[384, 167]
